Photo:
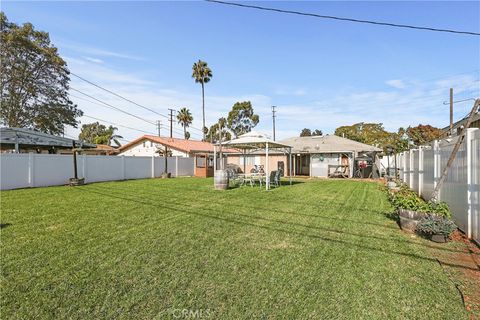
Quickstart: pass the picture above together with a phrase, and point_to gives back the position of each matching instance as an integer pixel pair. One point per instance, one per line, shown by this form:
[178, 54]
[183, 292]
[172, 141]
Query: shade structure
[254, 141]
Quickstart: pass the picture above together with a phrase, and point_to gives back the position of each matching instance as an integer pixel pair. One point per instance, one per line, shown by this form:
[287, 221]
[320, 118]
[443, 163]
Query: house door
[302, 163]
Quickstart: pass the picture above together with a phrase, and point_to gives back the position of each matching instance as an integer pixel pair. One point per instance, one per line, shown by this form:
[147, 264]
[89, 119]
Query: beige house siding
[258, 159]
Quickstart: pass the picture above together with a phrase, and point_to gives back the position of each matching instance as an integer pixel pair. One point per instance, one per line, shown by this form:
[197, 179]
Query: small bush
[433, 224]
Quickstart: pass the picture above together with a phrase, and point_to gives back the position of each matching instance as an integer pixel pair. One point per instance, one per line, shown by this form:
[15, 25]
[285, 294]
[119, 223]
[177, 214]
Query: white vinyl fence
[421, 169]
[40, 170]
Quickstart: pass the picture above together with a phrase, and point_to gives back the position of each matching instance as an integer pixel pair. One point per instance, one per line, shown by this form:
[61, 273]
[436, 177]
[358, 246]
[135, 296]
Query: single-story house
[154, 146]
[460, 124]
[21, 140]
[314, 156]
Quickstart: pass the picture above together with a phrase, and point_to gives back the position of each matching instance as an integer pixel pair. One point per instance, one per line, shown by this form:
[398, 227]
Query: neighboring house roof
[28, 137]
[327, 144]
[188, 146]
[456, 125]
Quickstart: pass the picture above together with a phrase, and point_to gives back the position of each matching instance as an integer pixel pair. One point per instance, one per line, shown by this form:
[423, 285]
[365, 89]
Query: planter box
[409, 219]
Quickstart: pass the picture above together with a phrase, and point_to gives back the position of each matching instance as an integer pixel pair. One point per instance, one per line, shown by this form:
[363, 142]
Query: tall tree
[305, 132]
[202, 74]
[369, 133]
[423, 134]
[185, 118]
[242, 119]
[99, 134]
[33, 81]
[219, 132]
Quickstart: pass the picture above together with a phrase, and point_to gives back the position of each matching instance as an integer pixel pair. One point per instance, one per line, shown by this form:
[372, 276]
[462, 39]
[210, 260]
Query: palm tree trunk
[184, 132]
[203, 109]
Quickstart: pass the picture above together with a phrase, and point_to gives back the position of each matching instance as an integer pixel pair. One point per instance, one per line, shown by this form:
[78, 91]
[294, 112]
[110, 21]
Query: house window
[249, 160]
[151, 143]
[144, 144]
[201, 161]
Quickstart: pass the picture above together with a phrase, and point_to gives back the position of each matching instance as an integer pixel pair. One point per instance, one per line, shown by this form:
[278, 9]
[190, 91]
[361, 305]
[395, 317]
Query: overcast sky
[320, 74]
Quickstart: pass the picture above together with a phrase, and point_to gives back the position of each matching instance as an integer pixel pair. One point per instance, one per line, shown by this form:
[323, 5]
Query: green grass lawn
[149, 248]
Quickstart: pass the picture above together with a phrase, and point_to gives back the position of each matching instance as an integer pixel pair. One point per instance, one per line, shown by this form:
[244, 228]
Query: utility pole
[171, 122]
[273, 118]
[159, 125]
[451, 111]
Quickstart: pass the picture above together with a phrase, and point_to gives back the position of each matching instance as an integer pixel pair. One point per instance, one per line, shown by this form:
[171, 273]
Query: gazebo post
[267, 174]
[214, 159]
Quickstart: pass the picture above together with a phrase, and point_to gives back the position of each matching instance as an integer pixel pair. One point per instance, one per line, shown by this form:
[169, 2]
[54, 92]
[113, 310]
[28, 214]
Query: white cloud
[94, 51]
[93, 59]
[396, 83]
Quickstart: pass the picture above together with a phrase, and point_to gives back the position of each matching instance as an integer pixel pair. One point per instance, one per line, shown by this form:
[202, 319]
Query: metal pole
[158, 126]
[75, 172]
[267, 177]
[171, 122]
[273, 118]
[451, 111]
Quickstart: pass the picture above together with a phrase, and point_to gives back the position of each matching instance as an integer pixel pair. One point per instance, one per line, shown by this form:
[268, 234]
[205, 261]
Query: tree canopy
[99, 134]
[185, 118]
[423, 134]
[219, 132]
[307, 132]
[242, 119]
[33, 81]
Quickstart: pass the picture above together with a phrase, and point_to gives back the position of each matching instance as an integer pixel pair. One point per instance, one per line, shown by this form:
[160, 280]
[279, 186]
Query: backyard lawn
[176, 248]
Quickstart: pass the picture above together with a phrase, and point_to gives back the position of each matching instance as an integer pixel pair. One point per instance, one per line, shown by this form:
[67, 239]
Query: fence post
[410, 169]
[123, 167]
[436, 166]
[420, 170]
[470, 186]
[84, 166]
[31, 169]
[176, 166]
[153, 166]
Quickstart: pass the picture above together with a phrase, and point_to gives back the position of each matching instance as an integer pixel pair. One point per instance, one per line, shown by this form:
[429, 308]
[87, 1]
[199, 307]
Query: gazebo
[253, 141]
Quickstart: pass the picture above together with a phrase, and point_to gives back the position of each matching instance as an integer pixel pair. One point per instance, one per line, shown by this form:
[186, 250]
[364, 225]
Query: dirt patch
[462, 266]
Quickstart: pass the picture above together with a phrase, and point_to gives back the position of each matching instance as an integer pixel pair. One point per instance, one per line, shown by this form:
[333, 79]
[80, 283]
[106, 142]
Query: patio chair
[274, 178]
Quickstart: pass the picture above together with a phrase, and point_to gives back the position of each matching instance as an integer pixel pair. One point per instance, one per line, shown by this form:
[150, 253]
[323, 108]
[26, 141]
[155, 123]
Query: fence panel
[454, 189]
[428, 183]
[14, 171]
[51, 169]
[414, 183]
[35, 170]
[186, 166]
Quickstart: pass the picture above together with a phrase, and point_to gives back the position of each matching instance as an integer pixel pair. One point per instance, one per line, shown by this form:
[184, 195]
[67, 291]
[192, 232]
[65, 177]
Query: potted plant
[411, 209]
[436, 228]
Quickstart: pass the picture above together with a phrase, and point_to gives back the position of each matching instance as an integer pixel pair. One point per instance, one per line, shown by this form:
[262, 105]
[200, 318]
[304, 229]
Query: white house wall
[150, 149]
[319, 168]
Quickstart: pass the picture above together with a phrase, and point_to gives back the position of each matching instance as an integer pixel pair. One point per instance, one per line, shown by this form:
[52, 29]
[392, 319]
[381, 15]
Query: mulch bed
[463, 267]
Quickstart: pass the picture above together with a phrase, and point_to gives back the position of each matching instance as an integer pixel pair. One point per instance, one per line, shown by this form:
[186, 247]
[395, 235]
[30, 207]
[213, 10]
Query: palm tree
[202, 74]
[185, 118]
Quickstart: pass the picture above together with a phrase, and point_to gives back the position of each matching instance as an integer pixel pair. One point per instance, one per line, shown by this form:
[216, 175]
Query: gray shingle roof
[9, 136]
[327, 144]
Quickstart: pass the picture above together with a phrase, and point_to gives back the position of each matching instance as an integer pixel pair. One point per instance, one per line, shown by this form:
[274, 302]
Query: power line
[113, 107]
[122, 97]
[388, 24]
[118, 125]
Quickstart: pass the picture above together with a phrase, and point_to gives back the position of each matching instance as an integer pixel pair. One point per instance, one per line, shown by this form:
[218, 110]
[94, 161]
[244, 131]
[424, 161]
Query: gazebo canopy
[253, 140]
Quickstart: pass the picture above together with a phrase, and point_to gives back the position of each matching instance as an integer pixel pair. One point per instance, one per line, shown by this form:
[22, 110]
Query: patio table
[252, 178]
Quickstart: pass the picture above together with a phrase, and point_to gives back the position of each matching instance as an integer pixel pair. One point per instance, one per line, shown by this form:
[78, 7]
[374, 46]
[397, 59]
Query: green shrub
[433, 224]
[439, 209]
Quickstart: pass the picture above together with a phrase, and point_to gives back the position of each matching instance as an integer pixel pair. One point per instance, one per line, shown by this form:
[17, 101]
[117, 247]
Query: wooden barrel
[220, 180]
[409, 219]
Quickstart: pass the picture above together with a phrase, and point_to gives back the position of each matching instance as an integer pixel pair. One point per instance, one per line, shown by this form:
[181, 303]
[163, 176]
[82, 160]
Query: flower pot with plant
[437, 228]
